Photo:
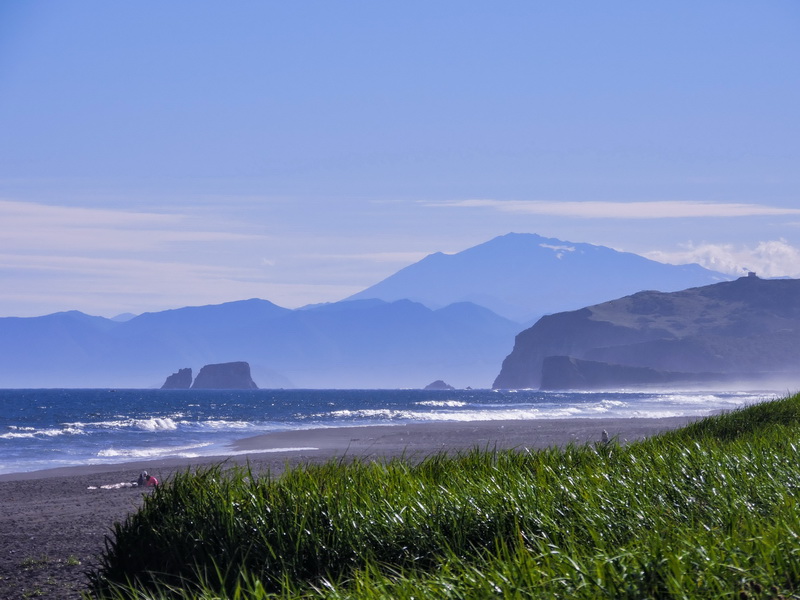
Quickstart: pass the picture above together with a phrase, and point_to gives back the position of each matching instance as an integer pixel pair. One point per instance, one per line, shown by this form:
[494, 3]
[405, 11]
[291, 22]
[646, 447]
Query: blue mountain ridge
[372, 344]
[523, 276]
[451, 317]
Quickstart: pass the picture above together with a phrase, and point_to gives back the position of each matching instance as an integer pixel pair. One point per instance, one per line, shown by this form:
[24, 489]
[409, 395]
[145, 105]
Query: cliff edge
[741, 331]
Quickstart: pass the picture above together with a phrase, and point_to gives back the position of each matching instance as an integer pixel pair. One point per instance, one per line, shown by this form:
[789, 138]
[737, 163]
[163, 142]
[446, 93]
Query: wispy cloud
[106, 261]
[82, 266]
[623, 210]
[776, 258]
[43, 214]
[373, 257]
[128, 284]
[40, 228]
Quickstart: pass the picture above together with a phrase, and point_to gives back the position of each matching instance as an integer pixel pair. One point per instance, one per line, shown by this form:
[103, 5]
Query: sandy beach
[53, 526]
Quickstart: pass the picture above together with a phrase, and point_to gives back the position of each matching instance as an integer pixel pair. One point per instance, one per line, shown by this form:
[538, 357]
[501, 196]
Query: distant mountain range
[743, 332]
[359, 344]
[523, 276]
[449, 317]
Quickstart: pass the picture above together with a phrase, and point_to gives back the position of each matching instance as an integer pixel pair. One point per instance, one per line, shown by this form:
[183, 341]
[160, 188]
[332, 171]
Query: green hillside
[708, 511]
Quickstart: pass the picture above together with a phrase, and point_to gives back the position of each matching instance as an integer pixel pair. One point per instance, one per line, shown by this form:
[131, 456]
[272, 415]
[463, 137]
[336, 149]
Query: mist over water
[52, 428]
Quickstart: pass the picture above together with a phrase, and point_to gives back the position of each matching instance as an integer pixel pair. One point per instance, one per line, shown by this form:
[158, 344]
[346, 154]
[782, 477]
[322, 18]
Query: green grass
[35, 561]
[708, 511]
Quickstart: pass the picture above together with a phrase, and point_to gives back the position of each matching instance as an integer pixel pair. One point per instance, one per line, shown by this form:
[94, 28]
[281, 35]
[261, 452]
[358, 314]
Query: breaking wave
[32, 433]
[158, 424]
[442, 403]
[149, 453]
[64, 427]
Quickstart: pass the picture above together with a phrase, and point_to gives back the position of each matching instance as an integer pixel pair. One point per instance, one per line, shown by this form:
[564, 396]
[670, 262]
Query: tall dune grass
[708, 511]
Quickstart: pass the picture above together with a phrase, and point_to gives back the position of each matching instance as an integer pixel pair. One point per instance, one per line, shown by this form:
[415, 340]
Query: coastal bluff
[740, 332]
[569, 373]
[221, 376]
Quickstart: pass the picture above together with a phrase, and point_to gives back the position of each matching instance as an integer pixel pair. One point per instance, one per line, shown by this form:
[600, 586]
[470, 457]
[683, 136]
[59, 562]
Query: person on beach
[146, 480]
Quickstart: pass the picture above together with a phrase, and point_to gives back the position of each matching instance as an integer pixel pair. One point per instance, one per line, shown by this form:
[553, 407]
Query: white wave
[739, 398]
[219, 424]
[30, 433]
[442, 403]
[600, 409]
[605, 407]
[372, 413]
[162, 424]
[149, 424]
[150, 452]
[157, 424]
[122, 423]
[613, 403]
[13, 435]
[470, 415]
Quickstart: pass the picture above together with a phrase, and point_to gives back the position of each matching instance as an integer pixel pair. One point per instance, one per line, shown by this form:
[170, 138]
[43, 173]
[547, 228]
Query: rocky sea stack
[439, 385]
[225, 376]
[182, 380]
[222, 376]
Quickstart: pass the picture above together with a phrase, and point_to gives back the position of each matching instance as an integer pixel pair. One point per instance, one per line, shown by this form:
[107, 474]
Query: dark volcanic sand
[52, 528]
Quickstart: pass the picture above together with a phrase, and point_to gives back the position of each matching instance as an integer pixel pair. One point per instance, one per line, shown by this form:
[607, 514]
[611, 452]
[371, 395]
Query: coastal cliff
[568, 373]
[737, 331]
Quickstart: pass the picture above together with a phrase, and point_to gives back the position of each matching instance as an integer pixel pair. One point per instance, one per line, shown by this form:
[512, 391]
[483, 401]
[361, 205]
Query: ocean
[41, 429]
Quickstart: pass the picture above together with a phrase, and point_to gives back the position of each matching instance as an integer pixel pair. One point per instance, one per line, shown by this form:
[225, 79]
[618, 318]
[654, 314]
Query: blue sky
[160, 155]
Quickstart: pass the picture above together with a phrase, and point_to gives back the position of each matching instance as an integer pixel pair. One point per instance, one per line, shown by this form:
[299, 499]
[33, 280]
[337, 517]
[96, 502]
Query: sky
[159, 155]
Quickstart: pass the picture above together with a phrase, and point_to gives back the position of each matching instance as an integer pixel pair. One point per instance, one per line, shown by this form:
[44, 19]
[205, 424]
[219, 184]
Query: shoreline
[54, 527]
[371, 441]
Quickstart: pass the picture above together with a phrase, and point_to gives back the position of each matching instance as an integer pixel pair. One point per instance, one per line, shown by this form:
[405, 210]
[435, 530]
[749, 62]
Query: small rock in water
[439, 385]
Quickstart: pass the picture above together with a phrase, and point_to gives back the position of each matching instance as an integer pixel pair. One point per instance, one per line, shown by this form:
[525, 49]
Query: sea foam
[157, 424]
[153, 452]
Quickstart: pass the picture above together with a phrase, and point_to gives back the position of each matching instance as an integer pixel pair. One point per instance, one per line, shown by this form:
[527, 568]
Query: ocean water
[53, 428]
